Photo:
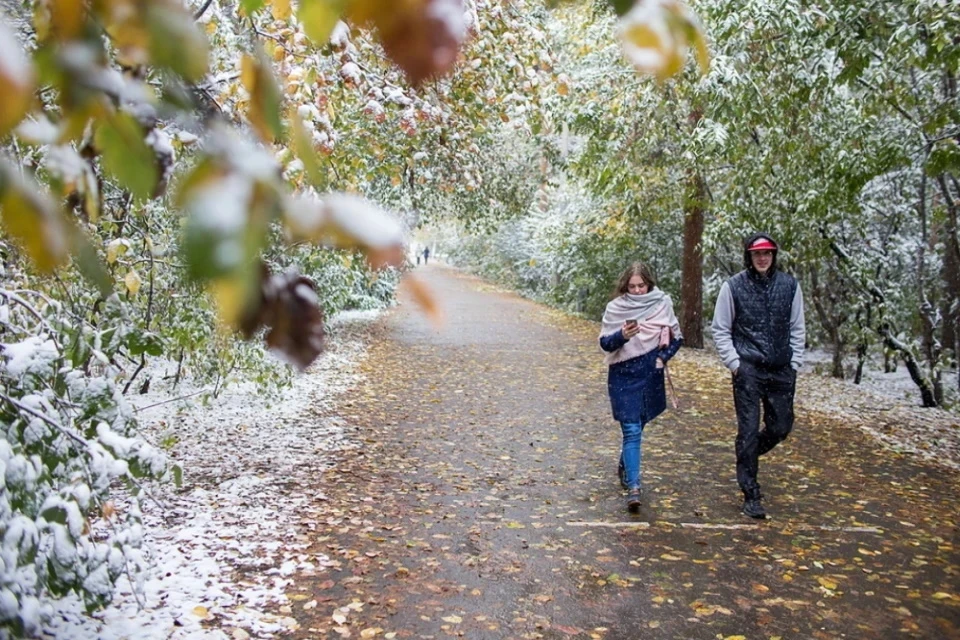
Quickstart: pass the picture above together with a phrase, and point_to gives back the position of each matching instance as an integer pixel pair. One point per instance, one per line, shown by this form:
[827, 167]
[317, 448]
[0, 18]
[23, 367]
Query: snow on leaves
[351, 222]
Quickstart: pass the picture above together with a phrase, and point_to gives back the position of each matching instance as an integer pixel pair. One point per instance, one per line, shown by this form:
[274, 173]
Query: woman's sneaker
[633, 500]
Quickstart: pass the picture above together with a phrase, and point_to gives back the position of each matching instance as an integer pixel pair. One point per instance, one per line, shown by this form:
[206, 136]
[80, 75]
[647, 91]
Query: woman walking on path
[640, 333]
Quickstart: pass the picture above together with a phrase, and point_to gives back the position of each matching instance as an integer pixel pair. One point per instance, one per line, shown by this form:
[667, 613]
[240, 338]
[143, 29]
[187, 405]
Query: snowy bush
[68, 436]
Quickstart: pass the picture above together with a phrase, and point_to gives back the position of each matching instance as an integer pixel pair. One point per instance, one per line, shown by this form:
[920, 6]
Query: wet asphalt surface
[482, 502]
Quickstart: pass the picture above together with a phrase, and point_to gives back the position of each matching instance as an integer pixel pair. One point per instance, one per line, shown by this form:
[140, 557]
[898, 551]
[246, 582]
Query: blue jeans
[630, 453]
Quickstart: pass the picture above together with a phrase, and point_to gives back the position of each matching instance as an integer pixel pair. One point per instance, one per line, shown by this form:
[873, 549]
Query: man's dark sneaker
[622, 472]
[753, 508]
[633, 500]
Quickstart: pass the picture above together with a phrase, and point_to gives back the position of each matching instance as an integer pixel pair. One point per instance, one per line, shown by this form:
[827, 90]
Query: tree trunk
[837, 371]
[691, 286]
[950, 307]
[862, 345]
[829, 324]
[861, 359]
[927, 395]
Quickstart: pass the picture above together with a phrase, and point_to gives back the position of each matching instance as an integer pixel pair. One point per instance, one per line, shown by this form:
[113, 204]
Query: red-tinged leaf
[424, 297]
[421, 36]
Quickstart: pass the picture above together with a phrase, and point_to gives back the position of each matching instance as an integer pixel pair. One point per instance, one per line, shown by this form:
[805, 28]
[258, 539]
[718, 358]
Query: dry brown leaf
[424, 297]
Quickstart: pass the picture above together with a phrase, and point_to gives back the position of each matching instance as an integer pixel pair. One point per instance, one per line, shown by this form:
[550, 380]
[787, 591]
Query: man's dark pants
[772, 389]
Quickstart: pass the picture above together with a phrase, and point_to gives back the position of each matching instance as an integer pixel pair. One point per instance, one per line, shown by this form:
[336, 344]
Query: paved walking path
[483, 502]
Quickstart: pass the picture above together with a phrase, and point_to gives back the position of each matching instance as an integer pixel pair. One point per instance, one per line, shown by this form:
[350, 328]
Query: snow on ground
[226, 544]
[885, 405]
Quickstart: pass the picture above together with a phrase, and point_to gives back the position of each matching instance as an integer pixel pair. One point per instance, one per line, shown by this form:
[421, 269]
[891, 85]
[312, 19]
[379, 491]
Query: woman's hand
[630, 329]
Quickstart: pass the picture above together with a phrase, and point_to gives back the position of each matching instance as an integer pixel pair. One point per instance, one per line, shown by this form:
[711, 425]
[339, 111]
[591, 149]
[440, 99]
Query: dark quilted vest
[761, 326]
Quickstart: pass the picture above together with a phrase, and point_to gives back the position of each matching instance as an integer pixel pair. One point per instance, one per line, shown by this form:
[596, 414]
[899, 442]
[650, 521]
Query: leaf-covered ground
[484, 503]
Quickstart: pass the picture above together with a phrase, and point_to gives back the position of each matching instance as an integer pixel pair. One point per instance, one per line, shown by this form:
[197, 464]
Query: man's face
[762, 260]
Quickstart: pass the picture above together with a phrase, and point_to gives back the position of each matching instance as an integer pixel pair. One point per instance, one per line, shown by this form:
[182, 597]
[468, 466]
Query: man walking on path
[759, 331]
[426, 255]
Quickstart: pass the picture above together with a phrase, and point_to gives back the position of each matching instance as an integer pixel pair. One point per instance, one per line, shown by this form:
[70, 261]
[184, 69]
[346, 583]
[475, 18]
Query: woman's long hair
[634, 269]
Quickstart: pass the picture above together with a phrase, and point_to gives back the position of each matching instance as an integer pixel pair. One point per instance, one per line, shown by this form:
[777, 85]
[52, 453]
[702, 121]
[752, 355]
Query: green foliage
[833, 127]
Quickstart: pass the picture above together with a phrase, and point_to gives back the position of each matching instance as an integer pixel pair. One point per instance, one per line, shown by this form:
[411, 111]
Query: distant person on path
[759, 331]
[640, 333]
[426, 255]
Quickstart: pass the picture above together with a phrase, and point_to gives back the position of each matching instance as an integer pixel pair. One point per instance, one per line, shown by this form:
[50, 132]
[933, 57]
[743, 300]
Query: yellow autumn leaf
[230, 296]
[115, 249]
[942, 595]
[33, 219]
[201, 612]
[263, 111]
[66, 18]
[826, 583]
[280, 9]
[657, 34]
[132, 281]
[453, 619]
[16, 81]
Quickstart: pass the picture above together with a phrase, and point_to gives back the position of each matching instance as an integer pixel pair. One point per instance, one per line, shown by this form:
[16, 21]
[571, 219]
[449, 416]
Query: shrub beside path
[483, 502]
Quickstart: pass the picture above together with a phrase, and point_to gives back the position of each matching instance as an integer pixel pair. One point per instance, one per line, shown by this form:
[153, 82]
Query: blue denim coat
[636, 386]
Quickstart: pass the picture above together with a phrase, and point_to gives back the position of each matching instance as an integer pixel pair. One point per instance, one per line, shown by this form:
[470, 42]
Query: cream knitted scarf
[652, 311]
